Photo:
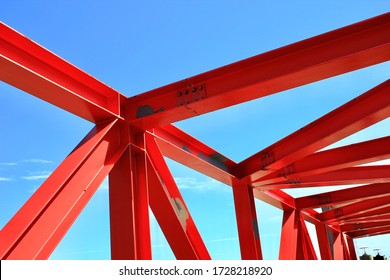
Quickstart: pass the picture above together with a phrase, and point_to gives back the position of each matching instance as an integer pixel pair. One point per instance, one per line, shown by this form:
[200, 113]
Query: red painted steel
[38, 227]
[346, 176]
[31, 68]
[359, 207]
[342, 196]
[181, 147]
[121, 146]
[129, 207]
[361, 112]
[165, 198]
[289, 247]
[248, 229]
[371, 232]
[331, 160]
[346, 49]
[350, 247]
[323, 241]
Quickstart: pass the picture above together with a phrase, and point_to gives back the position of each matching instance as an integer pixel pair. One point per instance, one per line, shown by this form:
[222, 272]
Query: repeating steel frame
[132, 136]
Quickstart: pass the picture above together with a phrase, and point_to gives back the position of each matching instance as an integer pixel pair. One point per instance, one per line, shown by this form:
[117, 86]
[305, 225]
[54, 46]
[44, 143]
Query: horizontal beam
[370, 215]
[363, 226]
[371, 232]
[370, 218]
[346, 176]
[332, 159]
[35, 70]
[38, 227]
[360, 207]
[357, 114]
[189, 151]
[346, 49]
[342, 196]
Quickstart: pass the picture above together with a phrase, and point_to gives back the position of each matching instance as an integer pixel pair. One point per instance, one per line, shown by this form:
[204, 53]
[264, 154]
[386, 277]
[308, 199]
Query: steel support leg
[248, 230]
[338, 246]
[323, 241]
[289, 237]
[308, 248]
[129, 207]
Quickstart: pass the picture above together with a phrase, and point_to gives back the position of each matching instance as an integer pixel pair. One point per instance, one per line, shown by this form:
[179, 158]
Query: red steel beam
[248, 229]
[170, 209]
[323, 241]
[129, 207]
[330, 160]
[38, 227]
[371, 232]
[369, 215]
[342, 196]
[346, 49]
[363, 226]
[338, 246]
[308, 248]
[346, 176]
[361, 112]
[187, 150]
[360, 207]
[350, 246]
[33, 69]
[372, 218]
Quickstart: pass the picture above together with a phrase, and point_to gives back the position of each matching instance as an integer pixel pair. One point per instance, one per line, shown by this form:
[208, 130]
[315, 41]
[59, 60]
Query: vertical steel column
[338, 246]
[248, 230]
[289, 237]
[170, 209]
[351, 247]
[308, 248]
[323, 241]
[129, 207]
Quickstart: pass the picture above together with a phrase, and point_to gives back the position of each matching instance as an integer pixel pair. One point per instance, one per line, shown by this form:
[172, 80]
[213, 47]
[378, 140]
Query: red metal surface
[133, 134]
[165, 198]
[129, 207]
[333, 53]
[248, 229]
[35, 231]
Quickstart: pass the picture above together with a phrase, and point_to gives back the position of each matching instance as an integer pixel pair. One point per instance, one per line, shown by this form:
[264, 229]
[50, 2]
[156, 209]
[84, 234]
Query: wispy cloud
[5, 179]
[36, 160]
[37, 175]
[222, 239]
[34, 177]
[8, 163]
[191, 183]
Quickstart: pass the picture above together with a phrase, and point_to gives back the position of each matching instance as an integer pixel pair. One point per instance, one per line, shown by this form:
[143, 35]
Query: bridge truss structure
[132, 136]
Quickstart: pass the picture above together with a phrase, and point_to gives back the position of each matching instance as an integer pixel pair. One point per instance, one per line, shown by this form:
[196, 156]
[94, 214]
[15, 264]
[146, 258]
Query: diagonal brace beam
[33, 69]
[38, 227]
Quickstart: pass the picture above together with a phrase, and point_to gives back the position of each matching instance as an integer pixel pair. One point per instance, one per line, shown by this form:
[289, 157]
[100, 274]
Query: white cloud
[5, 179]
[191, 183]
[37, 160]
[37, 175]
[8, 163]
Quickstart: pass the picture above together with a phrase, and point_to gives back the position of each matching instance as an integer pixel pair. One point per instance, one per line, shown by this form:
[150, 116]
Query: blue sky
[134, 46]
